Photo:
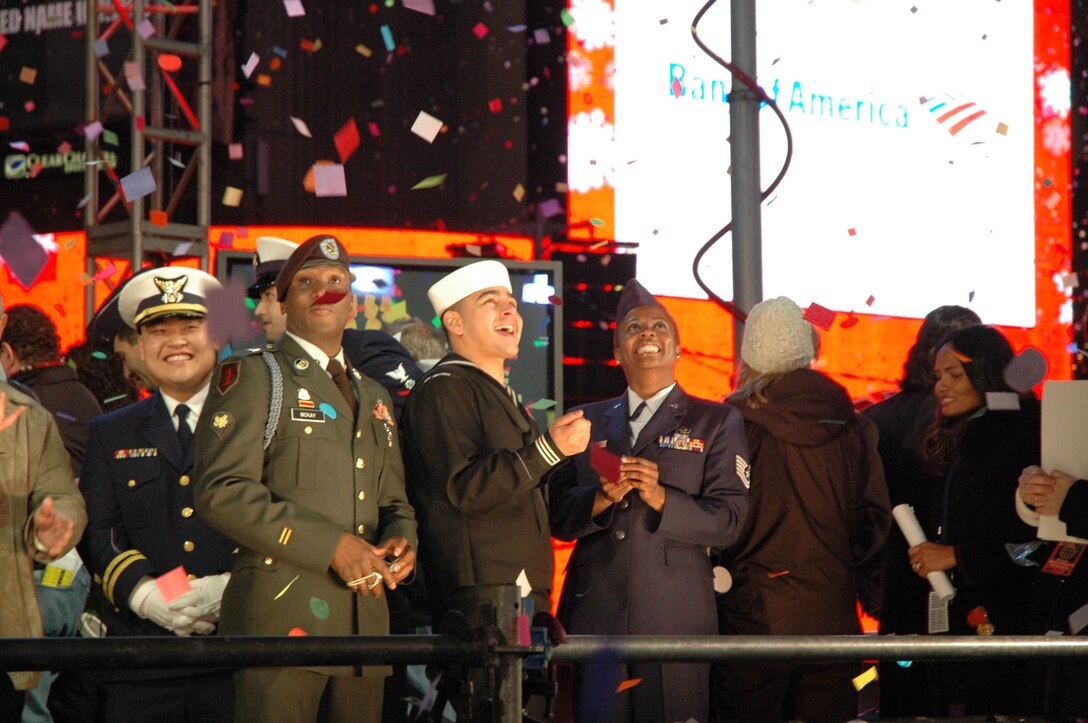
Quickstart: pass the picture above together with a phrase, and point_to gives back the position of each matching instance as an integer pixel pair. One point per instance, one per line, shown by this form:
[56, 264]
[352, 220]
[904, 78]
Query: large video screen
[912, 182]
[391, 289]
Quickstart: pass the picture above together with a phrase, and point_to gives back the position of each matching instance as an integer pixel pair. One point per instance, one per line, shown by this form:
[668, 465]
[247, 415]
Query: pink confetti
[480, 30]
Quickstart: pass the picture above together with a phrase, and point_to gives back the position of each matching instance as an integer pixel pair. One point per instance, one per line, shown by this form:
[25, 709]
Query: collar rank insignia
[682, 442]
[136, 453]
[171, 288]
[300, 364]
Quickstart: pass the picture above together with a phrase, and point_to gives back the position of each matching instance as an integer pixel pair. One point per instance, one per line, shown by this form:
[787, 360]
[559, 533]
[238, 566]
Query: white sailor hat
[169, 291]
[467, 280]
[272, 254]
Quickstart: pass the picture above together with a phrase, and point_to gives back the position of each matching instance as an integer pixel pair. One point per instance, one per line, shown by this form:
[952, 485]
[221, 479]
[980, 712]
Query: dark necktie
[185, 435]
[336, 369]
[638, 412]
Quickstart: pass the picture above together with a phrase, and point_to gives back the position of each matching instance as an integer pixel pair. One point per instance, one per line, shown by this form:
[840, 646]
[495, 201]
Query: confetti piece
[24, 256]
[29, 106]
[91, 131]
[1002, 129]
[347, 140]
[1026, 369]
[110, 400]
[226, 240]
[596, 222]
[264, 80]
[426, 126]
[363, 50]
[109, 137]
[157, 218]
[628, 684]
[567, 18]
[297, 632]
[138, 184]
[375, 131]
[677, 88]
[101, 355]
[387, 38]
[20, 146]
[1003, 401]
[606, 463]
[555, 300]
[820, 316]
[329, 180]
[101, 48]
[852, 231]
[870, 300]
[146, 29]
[234, 151]
[519, 192]
[183, 248]
[865, 678]
[173, 584]
[420, 6]
[251, 64]
[480, 31]
[541, 37]
[495, 105]
[971, 296]
[232, 196]
[773, 575]
[176, 162]
[542, 404]
[430, 182]
[134, 77]
[319, 608]
[28, 75]
[301, 127]
[294, 8]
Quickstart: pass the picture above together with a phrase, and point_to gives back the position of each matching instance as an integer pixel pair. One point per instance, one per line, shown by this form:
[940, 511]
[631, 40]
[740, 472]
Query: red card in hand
[606, 463]
[173, 584]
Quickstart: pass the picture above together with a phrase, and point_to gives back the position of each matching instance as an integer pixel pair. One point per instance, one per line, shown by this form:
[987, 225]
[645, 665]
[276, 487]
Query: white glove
[202, 602]
[147, 602]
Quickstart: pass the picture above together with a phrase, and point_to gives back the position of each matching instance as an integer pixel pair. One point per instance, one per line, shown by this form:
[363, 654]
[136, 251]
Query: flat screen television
[392, 288]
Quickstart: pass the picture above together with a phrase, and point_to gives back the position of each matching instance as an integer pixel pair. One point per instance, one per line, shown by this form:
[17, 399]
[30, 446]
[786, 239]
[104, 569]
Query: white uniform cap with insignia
[465, 281]
[169, 291]
[272, 254]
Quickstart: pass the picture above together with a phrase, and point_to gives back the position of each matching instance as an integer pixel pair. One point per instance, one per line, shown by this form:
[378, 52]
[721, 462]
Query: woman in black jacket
[983, 436]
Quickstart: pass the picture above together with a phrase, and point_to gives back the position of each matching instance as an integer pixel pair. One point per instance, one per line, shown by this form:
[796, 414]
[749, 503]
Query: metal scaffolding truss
[168, 126]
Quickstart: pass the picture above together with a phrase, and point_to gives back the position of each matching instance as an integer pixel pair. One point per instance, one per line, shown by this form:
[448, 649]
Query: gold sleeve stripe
[285, 536]
[116, 567]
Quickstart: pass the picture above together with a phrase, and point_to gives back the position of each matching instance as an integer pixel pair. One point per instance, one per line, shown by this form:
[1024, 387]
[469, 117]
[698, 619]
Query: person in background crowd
[144, 543]
[643, 537]
[42, 517]
[978, 447]
[110, 334]
[30, 354]
[1060, 599]
[818, 509]
[474, 458]
[318, 508]
[103, 374]
[902, 421]
[423, 341]
[374, 353]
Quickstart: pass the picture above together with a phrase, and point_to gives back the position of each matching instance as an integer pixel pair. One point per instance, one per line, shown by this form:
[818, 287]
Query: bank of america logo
[954, 116]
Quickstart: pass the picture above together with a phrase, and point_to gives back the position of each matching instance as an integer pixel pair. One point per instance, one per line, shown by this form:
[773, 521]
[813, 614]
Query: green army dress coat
[322, 475]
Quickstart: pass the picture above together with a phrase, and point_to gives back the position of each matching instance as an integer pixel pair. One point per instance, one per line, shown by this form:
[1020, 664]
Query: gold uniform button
[184, 480]
[189, 546]
[362, 495]
[132, 483]
[268, 561]
[186, 512]
[362, 529]
[191, 576]
[359, 463]
[620, 534]
[308, 430]
[625, 504]
[358, 433]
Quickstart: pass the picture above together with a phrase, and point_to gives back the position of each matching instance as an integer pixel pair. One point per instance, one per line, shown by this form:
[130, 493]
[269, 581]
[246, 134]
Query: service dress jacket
[323, 474]
[631, 565]
[33, 465]
[142, 520]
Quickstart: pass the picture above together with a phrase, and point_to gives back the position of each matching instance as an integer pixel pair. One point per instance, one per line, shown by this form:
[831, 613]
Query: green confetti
[283, 592]
[319, 608]
[99, 355]
[109, 137]
[114, 399]
[566, 17]
[596, 222]
[430, 182]
[542, 404]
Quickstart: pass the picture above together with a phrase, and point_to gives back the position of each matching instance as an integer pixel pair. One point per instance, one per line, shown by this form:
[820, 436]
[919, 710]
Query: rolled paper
[912, 531]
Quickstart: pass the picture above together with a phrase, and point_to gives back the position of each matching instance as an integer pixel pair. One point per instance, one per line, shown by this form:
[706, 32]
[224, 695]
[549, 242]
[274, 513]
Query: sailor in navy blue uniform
[374, 353]
[136, 478]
